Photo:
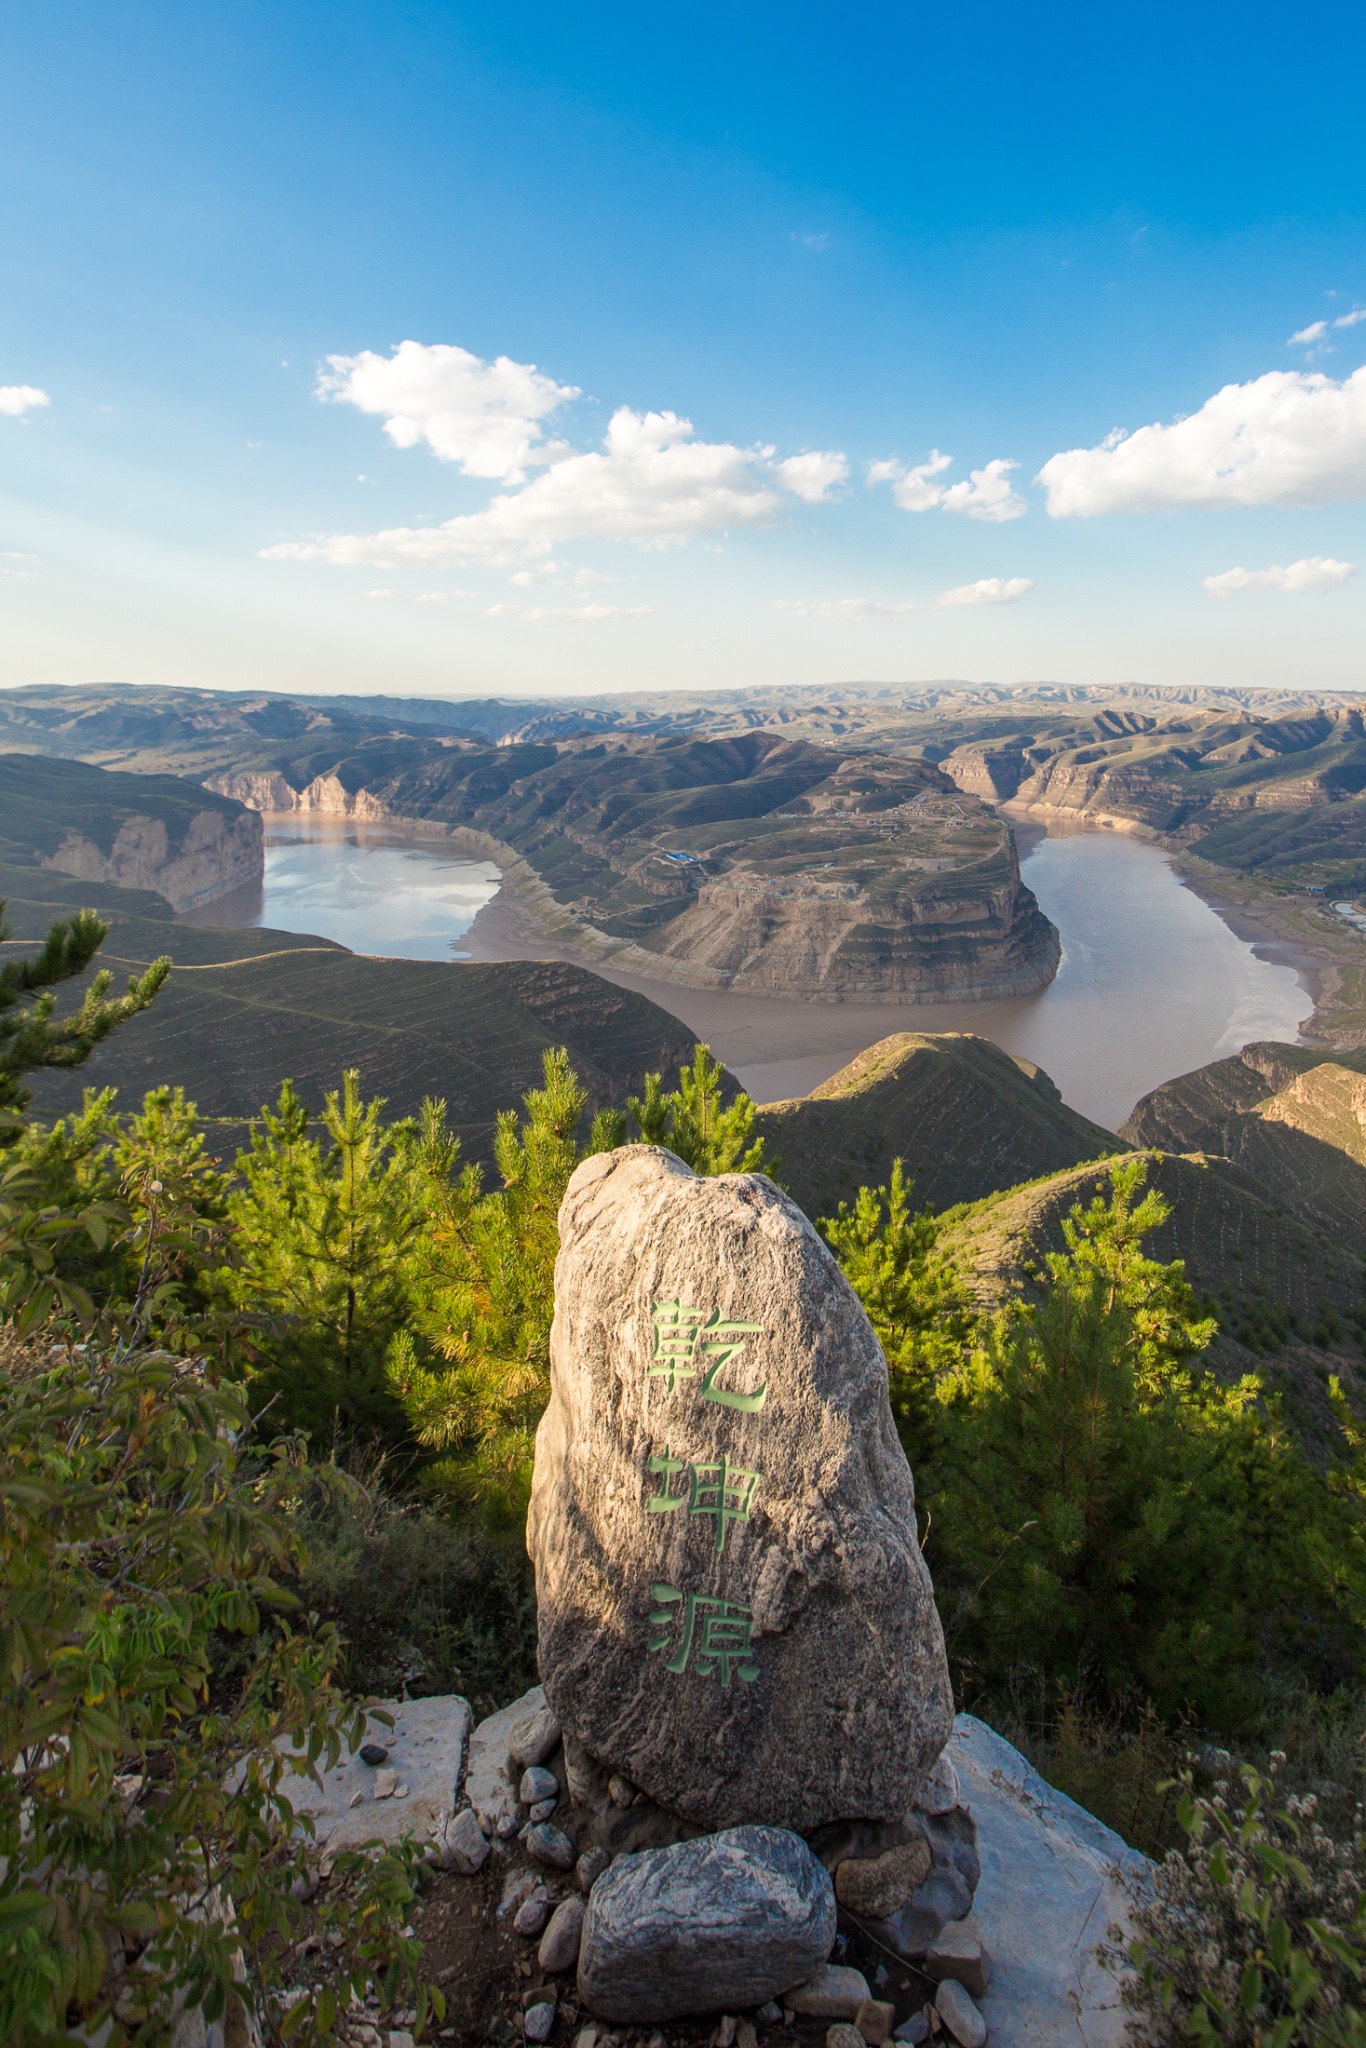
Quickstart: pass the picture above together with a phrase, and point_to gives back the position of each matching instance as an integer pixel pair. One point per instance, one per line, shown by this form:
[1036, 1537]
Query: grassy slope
[246, 1009]
[41, 801]
[963, 1116]
[1290, 1298]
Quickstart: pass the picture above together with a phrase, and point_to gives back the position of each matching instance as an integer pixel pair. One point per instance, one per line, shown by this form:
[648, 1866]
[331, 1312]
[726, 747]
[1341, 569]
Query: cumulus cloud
[570, 614]
[812, 477]
[653, 482]
[1292, 437]
[17, 399]
[1315, 572]
[988, 590]
[985, 493]
[484, 417]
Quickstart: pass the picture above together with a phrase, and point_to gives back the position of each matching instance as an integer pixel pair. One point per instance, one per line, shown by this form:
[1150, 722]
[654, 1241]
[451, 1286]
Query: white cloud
[1292, 437]
[572, 614]
[652, 483]
[17, 399]
[1318, 329]
[985, 494]
[1315, 572]
[811, 477]
[988, 590]
[843, 608]
[484, 417]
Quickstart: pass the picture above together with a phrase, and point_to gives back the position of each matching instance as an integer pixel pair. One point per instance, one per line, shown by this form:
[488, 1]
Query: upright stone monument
[734, 1613]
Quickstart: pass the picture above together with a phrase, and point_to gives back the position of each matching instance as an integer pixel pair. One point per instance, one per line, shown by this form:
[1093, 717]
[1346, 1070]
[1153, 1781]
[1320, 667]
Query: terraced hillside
[964, 1117]
[244, 1010]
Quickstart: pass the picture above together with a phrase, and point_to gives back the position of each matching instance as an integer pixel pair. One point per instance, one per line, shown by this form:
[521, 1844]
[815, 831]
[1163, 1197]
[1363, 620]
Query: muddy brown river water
[1152, 982]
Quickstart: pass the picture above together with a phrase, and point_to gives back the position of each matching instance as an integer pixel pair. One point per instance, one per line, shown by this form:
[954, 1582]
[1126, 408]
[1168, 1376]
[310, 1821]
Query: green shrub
[149, 1854]
[1254, 1933]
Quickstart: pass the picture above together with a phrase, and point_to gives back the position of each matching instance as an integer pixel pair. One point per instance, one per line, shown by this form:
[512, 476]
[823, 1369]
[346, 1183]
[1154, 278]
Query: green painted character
[685, 1338]
[719, 1488]
[717, 1634]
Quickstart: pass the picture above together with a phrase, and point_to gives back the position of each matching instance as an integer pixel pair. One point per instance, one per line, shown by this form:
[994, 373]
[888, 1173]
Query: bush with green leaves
[1254, 1932]
[149, 1853]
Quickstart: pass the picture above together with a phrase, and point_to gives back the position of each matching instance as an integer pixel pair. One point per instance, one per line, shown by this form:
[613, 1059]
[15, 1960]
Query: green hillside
[244, 1010]
[41, 801]
[963, 1116]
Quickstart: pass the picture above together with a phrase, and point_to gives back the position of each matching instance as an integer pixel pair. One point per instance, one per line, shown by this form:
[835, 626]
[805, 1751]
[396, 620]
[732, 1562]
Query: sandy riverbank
[1297, 932]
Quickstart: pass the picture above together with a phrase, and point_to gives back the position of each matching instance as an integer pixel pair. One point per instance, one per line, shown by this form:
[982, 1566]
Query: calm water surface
[370, 888]
[1152, 982]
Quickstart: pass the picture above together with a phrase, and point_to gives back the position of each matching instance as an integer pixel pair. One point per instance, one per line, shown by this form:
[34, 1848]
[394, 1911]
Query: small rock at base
[724, 2035]
[508, 1826]
[914, 2030]
[538, 2022]
[373, 1753]
[939, 1793]
[960, 2015]
[559, 1949]
[587, 2037]
[958, 1951]
[873, 1887]
[875, 2020]
[465, 1848]
[399, 2037]
[770, 2013]
[537, 1784]
[533, 1913]
[356, 1799]
[550, 1845]
[835, 1993]
[590, 1868]
[542, 1810]
[843, 2035]
[533, 1738]
[385, 1783]
[745, 2036]
[620, 1790]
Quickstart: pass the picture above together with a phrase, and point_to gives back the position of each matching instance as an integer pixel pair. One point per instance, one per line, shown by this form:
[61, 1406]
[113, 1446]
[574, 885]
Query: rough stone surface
[958, 2011]
[1046, 1897]
[551, 1845]
[939, 1793]
[834, 1697]
[843, 2035]
[538, 2021]
[714, 1925]
[533, 1737]
[426, 1749]
[960, 1952]
[833, 1993]
[537, 1784]
[465, 1847]
[875, 2019]
[532, 1914]
[490, 1784]
[590, 1868]
[559, 1949]
[871, 1887]
[914, 2030]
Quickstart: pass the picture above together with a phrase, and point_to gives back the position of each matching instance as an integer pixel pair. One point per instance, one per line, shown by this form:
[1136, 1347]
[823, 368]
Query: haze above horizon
[445, 350]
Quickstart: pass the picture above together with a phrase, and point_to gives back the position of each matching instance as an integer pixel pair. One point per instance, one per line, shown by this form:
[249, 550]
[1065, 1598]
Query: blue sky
[870, 237]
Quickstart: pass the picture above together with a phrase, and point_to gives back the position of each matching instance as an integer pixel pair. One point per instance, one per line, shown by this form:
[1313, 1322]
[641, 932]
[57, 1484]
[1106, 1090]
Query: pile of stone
[739, 1761]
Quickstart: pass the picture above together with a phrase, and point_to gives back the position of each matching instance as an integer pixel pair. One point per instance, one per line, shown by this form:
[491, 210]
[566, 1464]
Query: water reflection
[370, 888]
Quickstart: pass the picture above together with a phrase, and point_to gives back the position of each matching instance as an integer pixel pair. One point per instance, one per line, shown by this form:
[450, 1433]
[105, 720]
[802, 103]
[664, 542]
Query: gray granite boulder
[1053, 1879]
[719, 1924]
[734, 1612]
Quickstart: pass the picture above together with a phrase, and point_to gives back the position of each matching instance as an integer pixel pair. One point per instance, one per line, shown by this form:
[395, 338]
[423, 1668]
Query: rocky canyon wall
[218, 853]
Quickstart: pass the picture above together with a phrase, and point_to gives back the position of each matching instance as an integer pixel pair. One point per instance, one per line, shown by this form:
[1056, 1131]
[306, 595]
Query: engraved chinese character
[723, 1490]
[717, 1634]
[677, 1327]
[665, 1502]
[684, 1338]
[716, 1488]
